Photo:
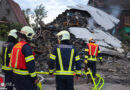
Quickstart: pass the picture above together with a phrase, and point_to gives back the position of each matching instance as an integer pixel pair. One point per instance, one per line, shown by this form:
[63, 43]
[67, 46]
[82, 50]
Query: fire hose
[96, 85]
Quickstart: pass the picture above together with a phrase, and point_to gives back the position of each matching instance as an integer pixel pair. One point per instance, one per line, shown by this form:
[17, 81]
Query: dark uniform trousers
[9, 79]
[92, 66]
[64, 84]
[24, 80]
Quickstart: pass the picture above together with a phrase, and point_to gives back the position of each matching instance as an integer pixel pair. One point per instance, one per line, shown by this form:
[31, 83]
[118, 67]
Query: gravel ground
[107, 86]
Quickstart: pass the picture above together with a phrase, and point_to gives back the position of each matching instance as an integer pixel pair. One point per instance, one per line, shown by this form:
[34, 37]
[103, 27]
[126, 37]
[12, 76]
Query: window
[127, 20]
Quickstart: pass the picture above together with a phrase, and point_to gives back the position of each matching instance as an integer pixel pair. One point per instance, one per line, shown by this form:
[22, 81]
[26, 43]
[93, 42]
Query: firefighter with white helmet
[6, 50]
[92, 52]
[66, 57]
[22, 61]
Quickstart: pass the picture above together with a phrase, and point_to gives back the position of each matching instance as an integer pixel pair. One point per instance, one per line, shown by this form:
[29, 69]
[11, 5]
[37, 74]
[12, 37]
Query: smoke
[115, 10]
[91, 23]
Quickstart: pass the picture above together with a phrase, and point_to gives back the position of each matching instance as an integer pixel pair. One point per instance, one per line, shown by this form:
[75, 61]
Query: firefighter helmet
[91, 40]
[13, 33]
[28, 31]
[63, 35]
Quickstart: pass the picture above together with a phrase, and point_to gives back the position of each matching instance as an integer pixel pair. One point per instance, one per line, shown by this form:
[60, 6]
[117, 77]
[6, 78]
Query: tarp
[127, 29]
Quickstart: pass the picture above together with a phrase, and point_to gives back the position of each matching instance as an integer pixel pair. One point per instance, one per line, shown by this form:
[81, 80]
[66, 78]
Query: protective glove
[36, 81]
[85, 61]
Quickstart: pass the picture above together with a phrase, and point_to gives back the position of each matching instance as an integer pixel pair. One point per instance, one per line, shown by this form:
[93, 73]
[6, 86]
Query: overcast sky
[54, 7]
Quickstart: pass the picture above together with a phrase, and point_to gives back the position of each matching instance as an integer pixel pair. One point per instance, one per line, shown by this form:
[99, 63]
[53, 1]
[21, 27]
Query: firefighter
[92, 52]
[6, 50]
[65, 57]
[22, 61]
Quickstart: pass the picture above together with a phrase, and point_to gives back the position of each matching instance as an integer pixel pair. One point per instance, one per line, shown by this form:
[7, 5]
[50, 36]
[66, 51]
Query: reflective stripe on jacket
[24, 72]
[92, 52]
[17, 59]
[93, 49]
[65, 57]
[6, 50]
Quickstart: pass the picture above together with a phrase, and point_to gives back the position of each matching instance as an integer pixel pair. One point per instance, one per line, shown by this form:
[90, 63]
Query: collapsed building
[84, 22]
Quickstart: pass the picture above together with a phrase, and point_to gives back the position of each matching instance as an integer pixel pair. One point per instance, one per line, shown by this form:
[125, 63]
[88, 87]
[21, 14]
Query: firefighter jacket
[64, 58]
[6, 51]
[92, 52]
[22, 60]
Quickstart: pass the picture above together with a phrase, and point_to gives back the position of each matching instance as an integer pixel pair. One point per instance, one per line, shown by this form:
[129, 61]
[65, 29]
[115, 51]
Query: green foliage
[124, 35]
[26, 14]
[0, 60]
[39, 13]
[16, 26]
[3, 31]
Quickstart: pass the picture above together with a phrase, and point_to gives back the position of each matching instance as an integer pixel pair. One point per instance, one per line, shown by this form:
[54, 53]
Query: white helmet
[13, 33]
[28, 31]
[91, 40]
[63, 35]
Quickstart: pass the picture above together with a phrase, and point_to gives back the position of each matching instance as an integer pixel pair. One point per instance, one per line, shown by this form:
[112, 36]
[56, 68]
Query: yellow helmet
[63, 35]
[28, 31]
[13, 33]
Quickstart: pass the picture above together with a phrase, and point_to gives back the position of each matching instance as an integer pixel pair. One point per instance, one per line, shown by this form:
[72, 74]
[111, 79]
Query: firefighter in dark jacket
[65, 57]
[6, 51]
[22, 61]
[92, 52]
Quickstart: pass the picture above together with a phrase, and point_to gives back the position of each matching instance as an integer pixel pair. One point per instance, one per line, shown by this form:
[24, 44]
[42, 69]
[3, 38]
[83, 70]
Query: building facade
[11, 12]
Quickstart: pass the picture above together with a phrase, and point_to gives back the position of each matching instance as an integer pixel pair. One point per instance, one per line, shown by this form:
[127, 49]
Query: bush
[124, 35]
[3, 31]
[16, 26]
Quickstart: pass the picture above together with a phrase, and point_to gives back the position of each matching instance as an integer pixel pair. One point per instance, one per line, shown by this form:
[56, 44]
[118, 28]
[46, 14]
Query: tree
[26, 13]
[39, 14]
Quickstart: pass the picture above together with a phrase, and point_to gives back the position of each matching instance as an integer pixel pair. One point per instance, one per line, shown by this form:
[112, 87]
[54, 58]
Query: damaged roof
[102, 18]
[18, 12]
[106, 41]
[124, 4]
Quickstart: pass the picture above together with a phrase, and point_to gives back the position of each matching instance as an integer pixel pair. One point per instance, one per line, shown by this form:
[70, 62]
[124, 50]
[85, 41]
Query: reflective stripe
[71, 59]
[21, 72]
[53, 57]
[86, 56]
[11, 58]
[5, 56]
[78, 71]
[64, 73]
[92, 59]
[99, 51]
[6, 68]
[90, 50]
[9, 55]
[29, 58]
[95, 50]
[51, 70]
[100, 58]
[60, 59]
[77, 58]
[33, 74]
[16, 63]
[86, 50]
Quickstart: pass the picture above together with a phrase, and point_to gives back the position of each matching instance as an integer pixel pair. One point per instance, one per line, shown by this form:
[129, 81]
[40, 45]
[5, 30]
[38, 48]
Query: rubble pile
[75, 21]
[44, 44]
